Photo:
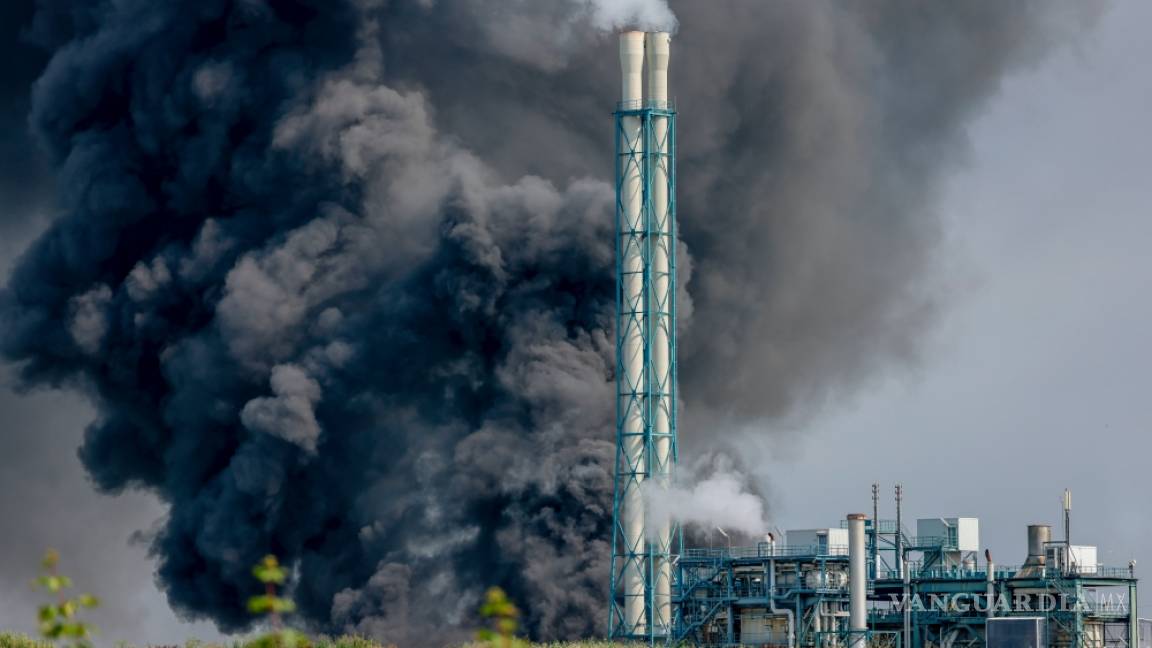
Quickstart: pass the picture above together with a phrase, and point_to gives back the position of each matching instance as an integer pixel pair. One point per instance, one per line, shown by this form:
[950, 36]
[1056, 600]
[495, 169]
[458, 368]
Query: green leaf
[260, 604]
[269, 571]
[47, 612]
[89, 601]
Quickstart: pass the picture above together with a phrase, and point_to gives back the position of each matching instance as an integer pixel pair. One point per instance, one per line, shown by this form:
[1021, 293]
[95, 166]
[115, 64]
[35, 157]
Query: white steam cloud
[648, 15]
[718, 496]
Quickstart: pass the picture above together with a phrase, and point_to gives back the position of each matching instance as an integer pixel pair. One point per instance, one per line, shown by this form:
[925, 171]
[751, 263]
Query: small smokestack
[857, 581]
[1038, 536]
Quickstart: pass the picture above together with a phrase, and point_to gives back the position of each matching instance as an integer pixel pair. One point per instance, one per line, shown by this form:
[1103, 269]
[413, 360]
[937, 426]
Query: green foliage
[269, 571]
[271, 574]
[59, 619]
[22, 641]
[266, 604]
[281, 638]
[348, 641]
[499, 611]
[568, 644]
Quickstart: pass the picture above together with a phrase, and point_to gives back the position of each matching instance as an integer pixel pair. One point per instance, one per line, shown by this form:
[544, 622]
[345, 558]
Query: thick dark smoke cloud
[337, 274]
[25, 178]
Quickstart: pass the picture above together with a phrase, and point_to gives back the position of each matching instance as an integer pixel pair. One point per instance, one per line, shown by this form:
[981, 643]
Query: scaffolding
[646, 448]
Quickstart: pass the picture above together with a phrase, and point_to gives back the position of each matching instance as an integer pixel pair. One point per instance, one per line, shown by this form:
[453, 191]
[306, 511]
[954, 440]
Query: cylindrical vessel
[1038, 536]
[857, 581]
[661, 241]
[632, 321]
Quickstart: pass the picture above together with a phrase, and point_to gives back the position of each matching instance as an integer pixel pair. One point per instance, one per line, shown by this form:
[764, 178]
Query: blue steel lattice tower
[641, 574]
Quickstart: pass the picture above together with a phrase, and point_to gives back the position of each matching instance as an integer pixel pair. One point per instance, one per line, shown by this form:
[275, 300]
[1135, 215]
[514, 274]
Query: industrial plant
[863, 581]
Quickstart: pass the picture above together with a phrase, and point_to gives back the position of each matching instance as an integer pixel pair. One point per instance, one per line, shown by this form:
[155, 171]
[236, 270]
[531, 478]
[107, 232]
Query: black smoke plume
[338, 273]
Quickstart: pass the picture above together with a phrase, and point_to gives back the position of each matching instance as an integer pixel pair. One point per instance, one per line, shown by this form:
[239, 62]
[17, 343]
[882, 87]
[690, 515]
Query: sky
[1033, 380]
[1036, 379]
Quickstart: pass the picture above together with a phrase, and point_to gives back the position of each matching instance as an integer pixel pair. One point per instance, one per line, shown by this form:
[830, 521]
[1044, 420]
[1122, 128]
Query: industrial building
[864, 581]
[876, 583]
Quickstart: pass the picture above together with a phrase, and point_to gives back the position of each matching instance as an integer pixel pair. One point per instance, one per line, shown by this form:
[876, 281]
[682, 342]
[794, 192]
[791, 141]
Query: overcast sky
[1036, 378]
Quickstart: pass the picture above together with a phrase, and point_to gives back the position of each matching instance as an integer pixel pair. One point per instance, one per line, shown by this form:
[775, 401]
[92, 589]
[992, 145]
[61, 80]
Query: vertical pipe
[1134, 622]
[661, 324]
[990, 587]
[874, 550]
[1067, 563]
[632, 322]
[770, 579]
[857, 581]
[907, 578]
[899, 532]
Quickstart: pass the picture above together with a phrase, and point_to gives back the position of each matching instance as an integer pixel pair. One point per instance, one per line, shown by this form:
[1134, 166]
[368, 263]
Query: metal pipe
[632, 334]
[857, 581]
[907, 643]
[791, 616]
[1133, 616]
[875, 546]
[1067, 562]
[899, 532]
[990, 588]
[661, 242]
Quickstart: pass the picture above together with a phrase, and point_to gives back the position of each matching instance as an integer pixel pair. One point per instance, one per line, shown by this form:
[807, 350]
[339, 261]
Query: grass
[8, 640]
[22, 641]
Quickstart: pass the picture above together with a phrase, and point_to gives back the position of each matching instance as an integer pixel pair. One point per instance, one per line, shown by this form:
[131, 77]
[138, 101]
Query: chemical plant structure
[863, 583]
[642, 559]
[872, 582]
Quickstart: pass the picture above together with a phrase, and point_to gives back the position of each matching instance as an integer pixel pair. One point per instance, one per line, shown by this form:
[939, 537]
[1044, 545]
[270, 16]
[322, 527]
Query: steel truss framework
[720, 590]
[649, 313]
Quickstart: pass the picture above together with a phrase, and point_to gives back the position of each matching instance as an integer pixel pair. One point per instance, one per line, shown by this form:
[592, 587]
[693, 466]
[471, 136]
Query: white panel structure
[1082, 558]
[960, 533]
[830, 541]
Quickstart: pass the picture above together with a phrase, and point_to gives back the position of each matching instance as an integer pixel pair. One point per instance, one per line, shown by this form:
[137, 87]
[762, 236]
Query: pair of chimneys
[635, 47]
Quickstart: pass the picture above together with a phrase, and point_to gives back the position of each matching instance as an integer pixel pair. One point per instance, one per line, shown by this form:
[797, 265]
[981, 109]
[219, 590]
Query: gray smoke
[338, 274]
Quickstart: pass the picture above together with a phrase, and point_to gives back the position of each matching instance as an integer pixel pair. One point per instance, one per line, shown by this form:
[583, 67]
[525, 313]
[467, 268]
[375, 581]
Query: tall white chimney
[658, 46]
[633, 323]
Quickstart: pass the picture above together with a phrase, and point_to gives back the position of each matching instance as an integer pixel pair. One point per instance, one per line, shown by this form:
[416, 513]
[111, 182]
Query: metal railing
[642, 104]
[765, 550]
[963, 573]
